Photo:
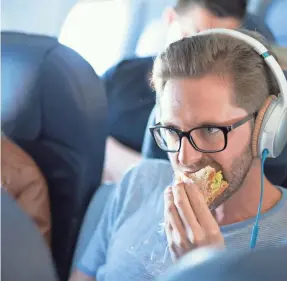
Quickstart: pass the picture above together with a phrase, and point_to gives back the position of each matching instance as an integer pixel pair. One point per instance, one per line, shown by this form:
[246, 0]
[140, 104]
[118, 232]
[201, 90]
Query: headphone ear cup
[258, 125]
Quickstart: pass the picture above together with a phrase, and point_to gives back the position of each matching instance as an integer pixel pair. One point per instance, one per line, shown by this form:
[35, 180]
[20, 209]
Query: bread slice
[210, 183]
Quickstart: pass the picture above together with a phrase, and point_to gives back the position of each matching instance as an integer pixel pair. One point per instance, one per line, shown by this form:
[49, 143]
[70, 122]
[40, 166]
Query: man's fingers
[173, 225]
[188, 220]
[172, 219]
[187, 215]
[200, 208]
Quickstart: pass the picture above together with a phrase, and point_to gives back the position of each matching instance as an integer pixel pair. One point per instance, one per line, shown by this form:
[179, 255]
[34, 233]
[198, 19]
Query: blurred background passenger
[23, 180]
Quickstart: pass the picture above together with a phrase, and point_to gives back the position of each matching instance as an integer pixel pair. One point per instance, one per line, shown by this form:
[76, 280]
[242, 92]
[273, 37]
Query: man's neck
[244, 203]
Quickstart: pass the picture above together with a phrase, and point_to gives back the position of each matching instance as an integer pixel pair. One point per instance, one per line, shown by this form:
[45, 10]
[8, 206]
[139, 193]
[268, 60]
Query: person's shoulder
[150, 175]
[276, 224]
[276, 217]
[283, 200]
[142, 183]
[278, 212]
[155, 169]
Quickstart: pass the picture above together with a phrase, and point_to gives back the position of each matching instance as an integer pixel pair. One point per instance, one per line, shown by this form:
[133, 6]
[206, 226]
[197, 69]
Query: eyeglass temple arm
[241, 122]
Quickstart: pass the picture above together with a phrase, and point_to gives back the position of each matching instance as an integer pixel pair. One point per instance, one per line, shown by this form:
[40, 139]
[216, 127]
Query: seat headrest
[22, 58]
[19, 238]
[214, 265]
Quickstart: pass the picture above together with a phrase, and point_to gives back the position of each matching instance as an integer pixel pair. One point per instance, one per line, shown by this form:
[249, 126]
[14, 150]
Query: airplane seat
[275, 168]
[276, 20]
[210, 264]
[54, 106]
[272, 14]
[149, 147]
[25, 255]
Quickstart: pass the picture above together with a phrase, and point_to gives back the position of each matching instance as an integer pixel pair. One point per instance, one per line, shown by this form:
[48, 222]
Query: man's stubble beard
[236, 176]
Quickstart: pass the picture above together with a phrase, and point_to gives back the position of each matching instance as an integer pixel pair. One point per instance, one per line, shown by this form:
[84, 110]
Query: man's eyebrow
[215, 124]
[201, 124]
[169, 124]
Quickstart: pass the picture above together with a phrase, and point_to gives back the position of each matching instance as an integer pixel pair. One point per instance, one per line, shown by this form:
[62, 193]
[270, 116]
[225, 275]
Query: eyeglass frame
[187, 134]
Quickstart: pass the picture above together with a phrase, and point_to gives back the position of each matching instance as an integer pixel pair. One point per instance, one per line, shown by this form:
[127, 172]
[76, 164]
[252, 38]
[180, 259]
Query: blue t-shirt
[130, 244]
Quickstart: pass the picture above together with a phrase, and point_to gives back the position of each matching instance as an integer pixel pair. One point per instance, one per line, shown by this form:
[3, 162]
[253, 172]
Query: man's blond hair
[222, 55]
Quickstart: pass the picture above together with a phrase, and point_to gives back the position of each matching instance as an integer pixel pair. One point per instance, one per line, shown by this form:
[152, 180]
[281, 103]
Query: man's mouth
[186, 176]
[188, 173]
[191, 172]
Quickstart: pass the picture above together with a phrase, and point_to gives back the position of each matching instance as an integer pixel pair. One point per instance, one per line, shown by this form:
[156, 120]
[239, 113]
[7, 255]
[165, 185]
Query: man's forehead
[199, 91]
[206, 100]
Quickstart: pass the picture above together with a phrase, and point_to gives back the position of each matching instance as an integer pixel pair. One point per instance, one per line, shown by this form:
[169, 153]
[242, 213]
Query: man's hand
[189, 223]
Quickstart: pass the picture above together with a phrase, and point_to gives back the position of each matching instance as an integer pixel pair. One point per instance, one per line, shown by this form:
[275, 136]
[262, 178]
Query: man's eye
[211, 130]
[171, 131]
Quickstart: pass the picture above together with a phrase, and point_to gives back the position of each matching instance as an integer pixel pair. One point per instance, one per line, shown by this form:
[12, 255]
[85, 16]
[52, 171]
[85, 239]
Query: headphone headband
[262, 51]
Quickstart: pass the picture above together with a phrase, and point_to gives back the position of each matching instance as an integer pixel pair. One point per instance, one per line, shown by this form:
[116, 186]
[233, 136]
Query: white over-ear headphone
[270, 130]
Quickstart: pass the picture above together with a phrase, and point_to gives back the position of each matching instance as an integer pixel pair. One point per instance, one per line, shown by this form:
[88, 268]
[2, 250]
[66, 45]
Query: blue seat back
[54, 106]
[276, 20]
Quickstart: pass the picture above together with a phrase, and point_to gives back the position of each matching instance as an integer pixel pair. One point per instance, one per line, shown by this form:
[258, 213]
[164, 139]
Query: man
[130, 96]
[23, 180]
[207, 80]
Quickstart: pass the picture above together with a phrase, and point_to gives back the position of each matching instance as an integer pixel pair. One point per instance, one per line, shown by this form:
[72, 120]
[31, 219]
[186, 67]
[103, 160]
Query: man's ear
[169, 16]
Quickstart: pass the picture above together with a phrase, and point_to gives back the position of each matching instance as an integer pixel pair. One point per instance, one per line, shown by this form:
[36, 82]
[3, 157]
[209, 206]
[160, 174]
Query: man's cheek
[233, 149]
[237, 142]
[224, 160]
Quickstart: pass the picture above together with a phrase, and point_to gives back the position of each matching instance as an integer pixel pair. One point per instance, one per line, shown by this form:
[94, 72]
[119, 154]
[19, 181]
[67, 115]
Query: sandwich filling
[210, 183]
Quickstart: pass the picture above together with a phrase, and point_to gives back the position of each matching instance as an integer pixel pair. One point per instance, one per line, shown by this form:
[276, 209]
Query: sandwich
[210, 183]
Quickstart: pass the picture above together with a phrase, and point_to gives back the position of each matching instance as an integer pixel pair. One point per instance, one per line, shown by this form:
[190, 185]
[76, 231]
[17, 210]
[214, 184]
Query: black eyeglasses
[206, 139]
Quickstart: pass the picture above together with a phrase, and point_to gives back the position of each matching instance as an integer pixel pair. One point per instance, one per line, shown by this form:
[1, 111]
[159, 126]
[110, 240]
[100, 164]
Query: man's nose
[187, 155]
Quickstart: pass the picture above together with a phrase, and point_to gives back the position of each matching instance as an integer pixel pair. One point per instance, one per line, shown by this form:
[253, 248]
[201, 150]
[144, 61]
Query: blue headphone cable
[255, 229]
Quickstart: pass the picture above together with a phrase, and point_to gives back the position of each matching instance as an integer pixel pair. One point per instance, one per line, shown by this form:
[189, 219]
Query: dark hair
[220, 8]
[222, 55]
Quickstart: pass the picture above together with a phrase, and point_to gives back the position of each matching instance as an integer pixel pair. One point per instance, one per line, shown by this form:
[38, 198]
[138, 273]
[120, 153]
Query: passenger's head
[192, 16]
[218, 81]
